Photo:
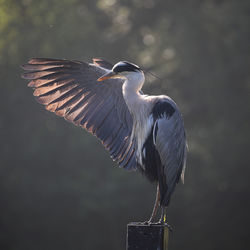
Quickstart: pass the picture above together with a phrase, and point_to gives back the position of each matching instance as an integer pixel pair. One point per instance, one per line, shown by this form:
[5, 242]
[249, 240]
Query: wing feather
[70, 89]
[170, 143]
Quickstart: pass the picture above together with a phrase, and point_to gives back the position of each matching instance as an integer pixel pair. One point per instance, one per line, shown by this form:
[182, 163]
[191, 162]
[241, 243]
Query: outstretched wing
[70, 89]
[170, 142]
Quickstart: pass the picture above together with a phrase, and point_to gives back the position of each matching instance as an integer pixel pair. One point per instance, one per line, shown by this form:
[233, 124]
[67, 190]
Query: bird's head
[125, 70]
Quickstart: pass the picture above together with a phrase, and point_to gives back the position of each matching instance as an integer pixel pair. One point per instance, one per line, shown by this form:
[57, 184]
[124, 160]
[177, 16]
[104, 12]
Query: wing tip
[38, 60]
[27, 76]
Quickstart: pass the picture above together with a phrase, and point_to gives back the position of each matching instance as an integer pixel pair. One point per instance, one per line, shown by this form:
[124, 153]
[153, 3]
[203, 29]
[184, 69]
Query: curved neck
[130, 90]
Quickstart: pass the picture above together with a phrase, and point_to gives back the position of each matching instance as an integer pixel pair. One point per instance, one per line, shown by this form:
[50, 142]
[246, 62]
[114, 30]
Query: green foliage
[59, 188]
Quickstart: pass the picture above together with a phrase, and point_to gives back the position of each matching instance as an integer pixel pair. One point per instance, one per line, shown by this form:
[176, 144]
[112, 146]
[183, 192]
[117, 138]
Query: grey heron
[141, 132]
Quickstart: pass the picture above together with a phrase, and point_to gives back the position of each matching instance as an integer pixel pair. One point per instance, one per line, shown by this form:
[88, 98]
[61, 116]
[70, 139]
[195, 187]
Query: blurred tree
[56, 193]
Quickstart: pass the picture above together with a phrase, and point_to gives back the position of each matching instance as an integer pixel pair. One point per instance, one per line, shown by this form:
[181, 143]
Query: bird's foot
[148, 222]
[160, 222]
[165, 224]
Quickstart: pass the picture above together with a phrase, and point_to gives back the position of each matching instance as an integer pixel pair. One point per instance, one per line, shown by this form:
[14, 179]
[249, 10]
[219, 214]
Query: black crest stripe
[125, 66]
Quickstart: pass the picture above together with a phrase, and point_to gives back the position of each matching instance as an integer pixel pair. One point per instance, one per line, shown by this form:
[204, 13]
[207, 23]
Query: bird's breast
[142, 129]
[140, 110]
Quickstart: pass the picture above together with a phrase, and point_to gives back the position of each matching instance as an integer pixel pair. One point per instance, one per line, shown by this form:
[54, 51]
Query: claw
[160, 222]
[149, 222]
[165, 224]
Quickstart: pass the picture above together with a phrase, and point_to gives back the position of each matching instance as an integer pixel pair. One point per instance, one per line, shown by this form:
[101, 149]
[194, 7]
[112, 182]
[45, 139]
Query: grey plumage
[70, 89]
[171, 145]
[139, 131]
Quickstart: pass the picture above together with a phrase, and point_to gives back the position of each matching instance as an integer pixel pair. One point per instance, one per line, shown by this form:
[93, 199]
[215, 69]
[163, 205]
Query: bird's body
[139, 131]
[149, 114]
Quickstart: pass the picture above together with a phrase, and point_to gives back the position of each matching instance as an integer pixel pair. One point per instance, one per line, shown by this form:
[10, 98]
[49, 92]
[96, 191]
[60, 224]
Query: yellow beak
[109, 75]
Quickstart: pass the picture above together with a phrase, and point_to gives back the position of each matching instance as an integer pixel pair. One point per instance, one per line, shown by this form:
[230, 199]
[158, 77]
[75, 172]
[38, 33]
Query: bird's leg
[163, 219]
[156, 205]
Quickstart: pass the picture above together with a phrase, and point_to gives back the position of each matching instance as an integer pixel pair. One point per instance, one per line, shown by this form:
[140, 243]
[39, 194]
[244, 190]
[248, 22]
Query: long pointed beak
[108, 75]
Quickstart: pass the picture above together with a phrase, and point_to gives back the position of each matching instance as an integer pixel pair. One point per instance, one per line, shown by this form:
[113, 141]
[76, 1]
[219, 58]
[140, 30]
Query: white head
[133, 75]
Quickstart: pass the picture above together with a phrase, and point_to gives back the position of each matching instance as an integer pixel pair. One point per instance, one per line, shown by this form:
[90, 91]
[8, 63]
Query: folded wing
[170, 143]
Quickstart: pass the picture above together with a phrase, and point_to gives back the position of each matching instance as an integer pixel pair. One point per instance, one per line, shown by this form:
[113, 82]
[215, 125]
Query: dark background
[58, 187]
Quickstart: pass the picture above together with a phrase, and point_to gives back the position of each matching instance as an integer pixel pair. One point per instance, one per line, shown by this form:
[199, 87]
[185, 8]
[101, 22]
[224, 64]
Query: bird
[140, 132]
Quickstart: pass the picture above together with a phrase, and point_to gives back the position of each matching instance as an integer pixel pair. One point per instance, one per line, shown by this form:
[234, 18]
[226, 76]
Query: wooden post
[147, 237]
